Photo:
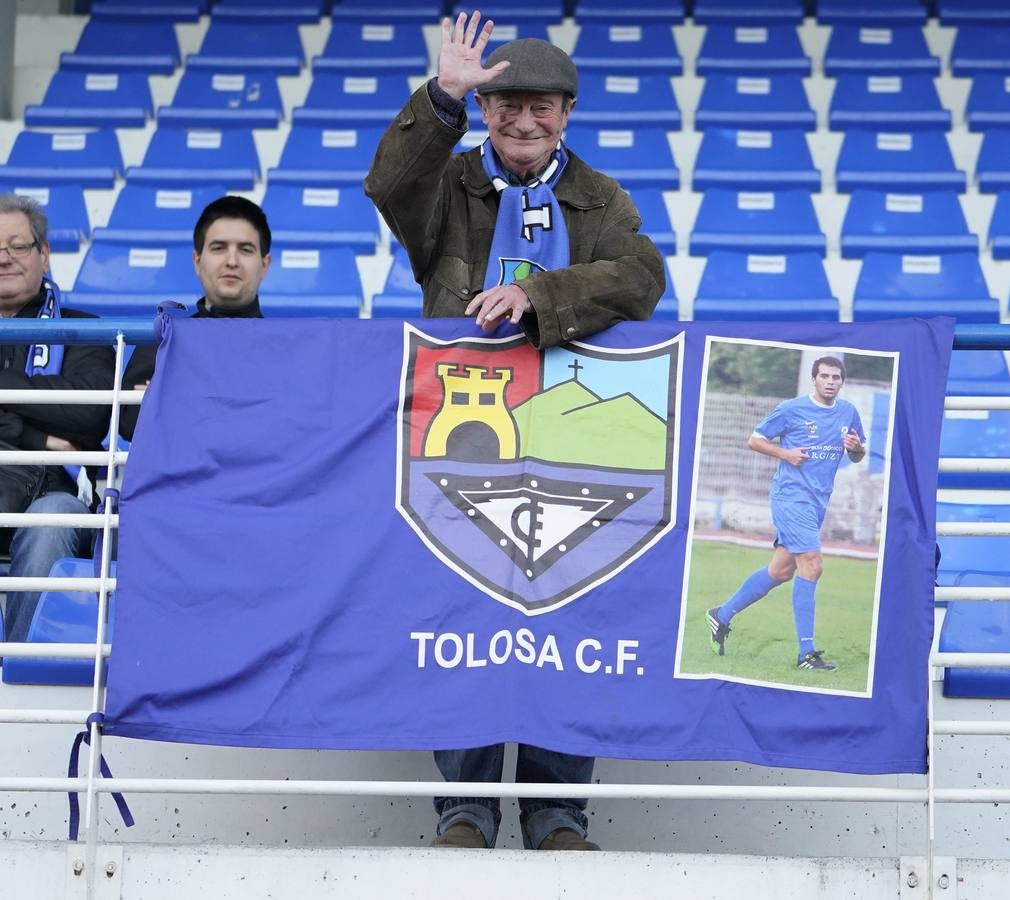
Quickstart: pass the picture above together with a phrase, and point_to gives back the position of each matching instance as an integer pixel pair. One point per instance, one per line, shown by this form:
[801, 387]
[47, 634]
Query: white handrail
[10, 397]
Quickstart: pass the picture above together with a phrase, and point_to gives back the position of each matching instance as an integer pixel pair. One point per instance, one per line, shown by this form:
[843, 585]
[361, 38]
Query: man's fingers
[485, 34]
[471, 29]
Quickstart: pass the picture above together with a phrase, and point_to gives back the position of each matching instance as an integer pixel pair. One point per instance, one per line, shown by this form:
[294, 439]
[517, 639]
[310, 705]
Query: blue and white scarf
[530, 234]
[47, 359]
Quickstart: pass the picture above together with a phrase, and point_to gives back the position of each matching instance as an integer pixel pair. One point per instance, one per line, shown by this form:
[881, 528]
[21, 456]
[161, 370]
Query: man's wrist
[449, 108]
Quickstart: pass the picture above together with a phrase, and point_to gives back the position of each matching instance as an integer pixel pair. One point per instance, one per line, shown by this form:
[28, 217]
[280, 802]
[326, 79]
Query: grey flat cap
[536, 65]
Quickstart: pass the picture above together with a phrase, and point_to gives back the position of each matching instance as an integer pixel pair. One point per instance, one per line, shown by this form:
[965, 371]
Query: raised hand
[459, 68]
[851, 440]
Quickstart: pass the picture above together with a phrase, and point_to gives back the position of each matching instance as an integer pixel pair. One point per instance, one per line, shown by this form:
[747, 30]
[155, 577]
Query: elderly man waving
[523, 194]
[519, 229]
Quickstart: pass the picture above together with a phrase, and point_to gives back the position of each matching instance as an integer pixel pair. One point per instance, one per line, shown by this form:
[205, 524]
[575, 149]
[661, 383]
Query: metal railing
[125, 331]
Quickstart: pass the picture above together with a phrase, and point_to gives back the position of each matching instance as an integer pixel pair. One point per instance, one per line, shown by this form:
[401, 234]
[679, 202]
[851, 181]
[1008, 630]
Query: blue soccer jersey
[820, 429]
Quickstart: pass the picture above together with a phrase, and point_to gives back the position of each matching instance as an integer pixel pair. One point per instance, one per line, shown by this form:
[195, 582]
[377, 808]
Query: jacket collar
[249, 311]
[577, 185]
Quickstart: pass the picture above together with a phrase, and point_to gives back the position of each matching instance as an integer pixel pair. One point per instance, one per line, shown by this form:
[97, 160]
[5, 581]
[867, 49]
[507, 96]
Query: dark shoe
[566, 839]
[719, 631]
[815, 660]
[461, 834]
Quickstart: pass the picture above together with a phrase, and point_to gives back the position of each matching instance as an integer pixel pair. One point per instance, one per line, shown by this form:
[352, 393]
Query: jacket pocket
[451, 280]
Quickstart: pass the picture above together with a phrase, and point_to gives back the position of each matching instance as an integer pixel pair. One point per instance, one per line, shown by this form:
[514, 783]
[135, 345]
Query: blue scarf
[47, 359]
[530, 234]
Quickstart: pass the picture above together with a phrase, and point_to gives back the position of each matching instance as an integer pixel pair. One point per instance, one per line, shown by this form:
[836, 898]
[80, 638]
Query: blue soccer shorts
[797, 525]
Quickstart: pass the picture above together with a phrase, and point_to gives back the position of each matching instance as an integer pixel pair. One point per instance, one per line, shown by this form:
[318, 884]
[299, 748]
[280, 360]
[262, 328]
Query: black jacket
[140, 369]
[26, 425]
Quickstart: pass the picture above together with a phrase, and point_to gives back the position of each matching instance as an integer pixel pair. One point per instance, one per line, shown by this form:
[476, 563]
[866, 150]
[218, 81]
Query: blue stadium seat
[633, 12]
[973, 560]
[125, 47]
[321, 216]
[87, 159]
[947, 511]
[992, 169]
[352, 99]
[910, 161]
[667, 308]
[755, 161]
[932, 222]
[973, 12]
[998, 239]
[754, 102]
[505, 31]
[988, 103]
[752, 50]
[62, 617]
[178, 157]
[972, 434]
[148, 10]
[979, 50]
[626, 101]
[65, 209]
[304, 11]
[400, 297]
[891, 285]
[516, 10]
[420, 12]
[311, 281]
[250, 47]
[756, 222]
[980, 373]
[976, 626]
[747, 12]
[224, 100]
[871, 12]
[93, 100]
[894, 102]
[316, 157]
[635, 157]
[899, 50]
[748, 287]
[148, 215]
[627, 50]
[374, 48]
[655, 218]
[122, 279]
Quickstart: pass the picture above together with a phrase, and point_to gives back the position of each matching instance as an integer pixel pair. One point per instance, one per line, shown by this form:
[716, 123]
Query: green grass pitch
[762, 646]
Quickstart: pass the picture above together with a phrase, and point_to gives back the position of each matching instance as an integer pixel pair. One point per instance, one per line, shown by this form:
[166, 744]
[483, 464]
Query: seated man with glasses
[27, 292]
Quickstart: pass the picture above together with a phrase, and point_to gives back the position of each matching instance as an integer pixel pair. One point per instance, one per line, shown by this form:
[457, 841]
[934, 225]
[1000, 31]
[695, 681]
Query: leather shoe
[566, 839]
[461, 834]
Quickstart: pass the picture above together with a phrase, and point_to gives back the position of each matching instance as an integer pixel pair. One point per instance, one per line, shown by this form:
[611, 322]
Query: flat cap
[536, 65]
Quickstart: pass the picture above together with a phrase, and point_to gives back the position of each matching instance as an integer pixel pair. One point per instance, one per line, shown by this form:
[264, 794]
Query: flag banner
[670, 541]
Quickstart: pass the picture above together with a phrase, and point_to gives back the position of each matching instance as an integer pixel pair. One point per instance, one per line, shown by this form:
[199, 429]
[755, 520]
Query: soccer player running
[813, 431]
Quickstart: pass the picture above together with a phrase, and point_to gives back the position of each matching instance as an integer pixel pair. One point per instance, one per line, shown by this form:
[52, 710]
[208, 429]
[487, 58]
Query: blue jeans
[33, 552]
[537, 817]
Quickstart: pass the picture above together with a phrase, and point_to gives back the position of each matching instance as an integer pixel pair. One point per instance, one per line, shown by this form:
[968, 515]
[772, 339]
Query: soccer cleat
[815, 660]
[719, 631]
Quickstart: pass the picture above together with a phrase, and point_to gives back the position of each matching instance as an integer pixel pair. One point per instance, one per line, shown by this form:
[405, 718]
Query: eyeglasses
[19, 250]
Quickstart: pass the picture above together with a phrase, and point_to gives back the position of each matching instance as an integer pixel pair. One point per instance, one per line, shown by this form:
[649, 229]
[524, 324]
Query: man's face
[231, 266]
[525, 128]
[20, 276]
[827, 383]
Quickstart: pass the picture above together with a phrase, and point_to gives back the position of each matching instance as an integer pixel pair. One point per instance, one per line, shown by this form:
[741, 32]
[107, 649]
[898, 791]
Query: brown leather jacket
[443, 209]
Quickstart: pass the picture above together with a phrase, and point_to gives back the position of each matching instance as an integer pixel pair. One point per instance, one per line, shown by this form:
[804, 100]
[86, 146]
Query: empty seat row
[276, 47]
[238, 99]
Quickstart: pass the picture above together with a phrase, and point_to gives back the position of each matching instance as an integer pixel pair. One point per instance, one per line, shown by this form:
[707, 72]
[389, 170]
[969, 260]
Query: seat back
[62, 617]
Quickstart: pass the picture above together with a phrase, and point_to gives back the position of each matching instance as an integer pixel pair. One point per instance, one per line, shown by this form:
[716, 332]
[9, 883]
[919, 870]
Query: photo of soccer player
[810, 444]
